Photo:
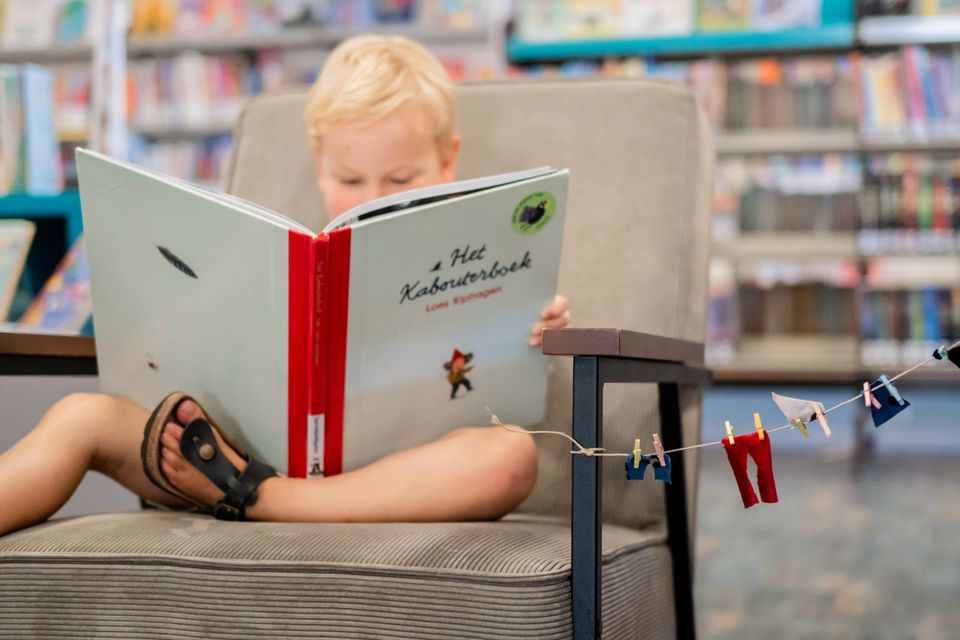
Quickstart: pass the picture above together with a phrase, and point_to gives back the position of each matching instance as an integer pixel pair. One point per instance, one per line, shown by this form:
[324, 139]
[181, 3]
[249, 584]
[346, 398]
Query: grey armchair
[635, 256]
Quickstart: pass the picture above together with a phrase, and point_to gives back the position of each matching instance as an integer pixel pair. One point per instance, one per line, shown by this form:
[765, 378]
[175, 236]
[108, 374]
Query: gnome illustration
[458, 371]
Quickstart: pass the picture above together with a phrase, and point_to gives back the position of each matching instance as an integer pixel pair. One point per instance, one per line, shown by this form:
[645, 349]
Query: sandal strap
[199, 447]
[242, 490]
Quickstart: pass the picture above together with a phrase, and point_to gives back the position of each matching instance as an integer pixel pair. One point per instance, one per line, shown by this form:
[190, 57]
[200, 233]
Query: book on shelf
[322, 352]
[939, 7]
[15, 239]
[786, 194]
[903, 325]
[883, 7]
[29, 156]
[64, 304]
[909, 95]
[758, 15]
[38, 24]
[910, 204]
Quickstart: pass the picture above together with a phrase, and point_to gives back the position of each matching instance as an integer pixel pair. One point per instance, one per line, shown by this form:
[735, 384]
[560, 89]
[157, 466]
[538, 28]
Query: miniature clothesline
[599, 451]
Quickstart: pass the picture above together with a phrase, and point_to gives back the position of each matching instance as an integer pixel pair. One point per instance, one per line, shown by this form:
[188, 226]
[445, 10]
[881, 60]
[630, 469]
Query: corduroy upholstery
[635, 256]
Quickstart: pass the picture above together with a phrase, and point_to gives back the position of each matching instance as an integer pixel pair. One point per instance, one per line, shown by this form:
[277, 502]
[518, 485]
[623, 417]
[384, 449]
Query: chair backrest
[636, 244]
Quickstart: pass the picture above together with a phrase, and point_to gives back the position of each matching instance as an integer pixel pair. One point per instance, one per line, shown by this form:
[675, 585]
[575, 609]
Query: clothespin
[868, 398]
[822, 418]
[636, 453]
[758, 425]
[892, 389]
[803, 428]
[953, 354]
[888, 401]
[659, 448]
[729, 431]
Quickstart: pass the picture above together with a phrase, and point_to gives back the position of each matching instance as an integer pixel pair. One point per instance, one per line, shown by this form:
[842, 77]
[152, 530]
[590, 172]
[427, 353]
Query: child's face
[356, 164]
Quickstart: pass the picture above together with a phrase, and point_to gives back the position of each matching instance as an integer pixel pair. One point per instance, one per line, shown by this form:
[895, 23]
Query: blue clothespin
[953, 355]
[889, 401]
[892, 389]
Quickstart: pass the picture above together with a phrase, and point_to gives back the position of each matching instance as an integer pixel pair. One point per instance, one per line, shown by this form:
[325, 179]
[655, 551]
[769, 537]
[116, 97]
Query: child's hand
[556, 315]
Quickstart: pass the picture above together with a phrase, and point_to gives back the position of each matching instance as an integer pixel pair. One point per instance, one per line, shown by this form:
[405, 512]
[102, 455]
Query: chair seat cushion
[168, 574]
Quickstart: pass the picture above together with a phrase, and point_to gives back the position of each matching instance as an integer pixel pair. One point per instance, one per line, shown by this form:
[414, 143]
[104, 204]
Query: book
[15, 239]
[64, 304]
[28, 24]
[29, 153]
[321, 352]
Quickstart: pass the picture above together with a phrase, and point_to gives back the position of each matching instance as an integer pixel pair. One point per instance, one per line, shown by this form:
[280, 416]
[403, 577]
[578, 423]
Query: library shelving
[786, 245]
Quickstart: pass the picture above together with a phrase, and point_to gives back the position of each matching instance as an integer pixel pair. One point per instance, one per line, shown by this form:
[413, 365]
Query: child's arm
[556, 315]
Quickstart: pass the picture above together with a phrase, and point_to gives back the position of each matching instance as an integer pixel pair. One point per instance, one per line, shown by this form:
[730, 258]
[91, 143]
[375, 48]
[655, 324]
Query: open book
[320, 353]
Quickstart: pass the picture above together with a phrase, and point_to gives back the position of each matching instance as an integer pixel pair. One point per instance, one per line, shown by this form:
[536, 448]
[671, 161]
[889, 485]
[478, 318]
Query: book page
[426, 195]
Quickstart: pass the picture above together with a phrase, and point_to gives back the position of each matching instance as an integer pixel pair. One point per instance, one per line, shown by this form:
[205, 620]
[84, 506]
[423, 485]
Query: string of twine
[601, 452]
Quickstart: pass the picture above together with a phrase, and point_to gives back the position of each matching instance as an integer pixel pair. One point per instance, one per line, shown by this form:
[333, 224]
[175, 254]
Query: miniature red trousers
[759, 450]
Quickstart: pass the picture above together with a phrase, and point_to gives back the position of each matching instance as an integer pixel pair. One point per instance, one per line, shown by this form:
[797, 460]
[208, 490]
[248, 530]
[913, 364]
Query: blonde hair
[369, 77]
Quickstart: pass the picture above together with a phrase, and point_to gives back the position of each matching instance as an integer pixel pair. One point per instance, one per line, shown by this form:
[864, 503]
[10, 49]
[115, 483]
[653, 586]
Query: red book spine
[298, 339]
[336, 309]
[318, 355]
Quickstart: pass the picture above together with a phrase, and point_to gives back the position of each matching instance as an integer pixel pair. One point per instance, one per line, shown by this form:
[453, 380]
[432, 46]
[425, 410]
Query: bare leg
[469, 474]
[81, 432]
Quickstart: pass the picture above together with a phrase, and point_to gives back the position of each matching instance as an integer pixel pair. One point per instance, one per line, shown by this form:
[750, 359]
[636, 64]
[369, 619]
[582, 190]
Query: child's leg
[81, 432]
[469, 474]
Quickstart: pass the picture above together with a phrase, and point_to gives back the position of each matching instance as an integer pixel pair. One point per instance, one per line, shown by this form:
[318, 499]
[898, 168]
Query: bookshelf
[263, 47]
[783, 241]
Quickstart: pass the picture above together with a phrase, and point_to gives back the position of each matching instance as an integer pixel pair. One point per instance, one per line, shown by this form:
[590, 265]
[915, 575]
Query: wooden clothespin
[658, 446]
[892, 389]
[803, 428]
[729, 431]
[636, 453]
[822, 419]
[758, 425]
[868, 398]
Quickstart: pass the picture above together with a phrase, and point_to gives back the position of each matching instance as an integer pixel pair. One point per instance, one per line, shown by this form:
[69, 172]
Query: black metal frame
[590, 374]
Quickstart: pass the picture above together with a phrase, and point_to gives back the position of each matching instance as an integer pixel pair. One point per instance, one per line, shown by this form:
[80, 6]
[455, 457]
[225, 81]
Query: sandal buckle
[224, 511]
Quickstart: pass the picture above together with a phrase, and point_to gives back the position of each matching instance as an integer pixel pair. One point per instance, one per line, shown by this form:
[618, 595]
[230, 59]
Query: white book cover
[321, 353]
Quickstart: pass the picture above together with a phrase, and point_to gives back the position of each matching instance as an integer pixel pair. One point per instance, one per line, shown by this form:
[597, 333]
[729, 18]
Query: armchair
[635, 256]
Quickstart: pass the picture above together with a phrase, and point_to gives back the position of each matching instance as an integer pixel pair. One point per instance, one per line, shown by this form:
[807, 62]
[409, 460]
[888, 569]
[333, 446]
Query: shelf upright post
[108, 129]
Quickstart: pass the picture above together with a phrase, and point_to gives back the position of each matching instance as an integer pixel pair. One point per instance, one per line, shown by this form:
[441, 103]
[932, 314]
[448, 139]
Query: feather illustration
[175, 261]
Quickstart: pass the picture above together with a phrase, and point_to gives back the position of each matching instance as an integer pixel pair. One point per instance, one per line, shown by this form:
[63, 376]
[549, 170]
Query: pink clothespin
[659, 447]
[822, 419]
[868, 398]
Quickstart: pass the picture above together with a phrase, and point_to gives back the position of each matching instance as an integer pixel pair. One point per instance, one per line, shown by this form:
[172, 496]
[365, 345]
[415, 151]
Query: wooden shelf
[827, 140]
[906, 145]
[186, 132]
[789, 245]
[62, 53]
[295, 38]
[888, 31]
[767, 141]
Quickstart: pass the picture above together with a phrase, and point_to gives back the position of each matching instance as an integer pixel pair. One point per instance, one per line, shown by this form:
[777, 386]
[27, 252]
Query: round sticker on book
[534, 212]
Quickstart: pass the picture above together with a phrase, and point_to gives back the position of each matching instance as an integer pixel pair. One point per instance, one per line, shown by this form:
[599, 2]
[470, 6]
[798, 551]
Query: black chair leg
[678, 530]
[585, 519]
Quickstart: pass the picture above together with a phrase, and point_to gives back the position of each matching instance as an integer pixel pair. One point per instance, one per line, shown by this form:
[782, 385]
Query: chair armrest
[620, 343]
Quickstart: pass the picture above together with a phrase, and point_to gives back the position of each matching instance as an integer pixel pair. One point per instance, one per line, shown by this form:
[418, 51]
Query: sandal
[199, 447]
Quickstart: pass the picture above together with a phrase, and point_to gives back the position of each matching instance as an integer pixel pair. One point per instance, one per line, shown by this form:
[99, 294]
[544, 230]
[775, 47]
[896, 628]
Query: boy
[380, 120]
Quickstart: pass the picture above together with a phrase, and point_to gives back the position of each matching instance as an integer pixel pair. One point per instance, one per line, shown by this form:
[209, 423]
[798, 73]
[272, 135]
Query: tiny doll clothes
[659, 472]
[751, 444]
